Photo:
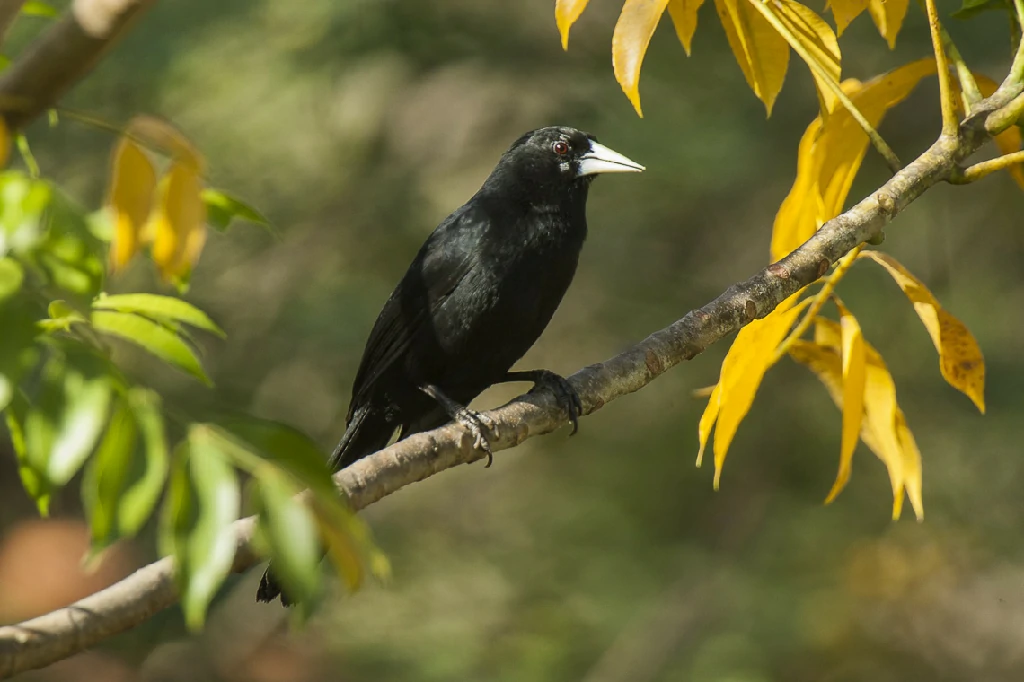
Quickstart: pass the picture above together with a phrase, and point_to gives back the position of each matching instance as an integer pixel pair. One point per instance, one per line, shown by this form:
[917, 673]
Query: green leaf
[284, 446]
[971, 8]
[211, 543]
[32, 480]
[255, 443]
[17, 331]
[106, 475]
[64, 422]
[290, 530]
[22, 204]
[101, 225]
[152, 336]
[222, 207]
[85, 412]
[27, 157]
[144, 487]
[178, 514]
[71, 255]
[6, 390]
[161, 307]
[62, 316]
[80, 275]
[35, 8]
[11, 276]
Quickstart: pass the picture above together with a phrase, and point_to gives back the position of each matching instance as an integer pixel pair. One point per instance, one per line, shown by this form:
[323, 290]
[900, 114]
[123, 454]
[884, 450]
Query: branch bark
[63, 55]
[61, 633]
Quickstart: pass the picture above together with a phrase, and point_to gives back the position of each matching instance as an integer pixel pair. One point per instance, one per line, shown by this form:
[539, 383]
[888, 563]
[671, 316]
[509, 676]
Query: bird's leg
[472, 420]
[567, 397]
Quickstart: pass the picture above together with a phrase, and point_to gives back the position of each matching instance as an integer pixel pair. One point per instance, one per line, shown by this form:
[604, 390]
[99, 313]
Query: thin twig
[983, 168]
[1015, 77]
[969, 87]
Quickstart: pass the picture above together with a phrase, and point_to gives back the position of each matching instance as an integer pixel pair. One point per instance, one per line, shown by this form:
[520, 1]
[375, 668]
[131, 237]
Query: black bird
[476, 297]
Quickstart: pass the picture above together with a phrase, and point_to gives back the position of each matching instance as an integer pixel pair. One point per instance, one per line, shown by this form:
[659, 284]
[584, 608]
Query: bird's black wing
[447, 258]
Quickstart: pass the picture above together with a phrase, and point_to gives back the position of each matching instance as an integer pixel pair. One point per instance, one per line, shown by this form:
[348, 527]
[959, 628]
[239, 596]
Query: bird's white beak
[600, 159]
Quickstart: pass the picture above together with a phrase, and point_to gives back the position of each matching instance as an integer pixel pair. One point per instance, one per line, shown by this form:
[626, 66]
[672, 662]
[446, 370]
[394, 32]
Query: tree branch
[9, 11]
[63, 55]
[56, 635]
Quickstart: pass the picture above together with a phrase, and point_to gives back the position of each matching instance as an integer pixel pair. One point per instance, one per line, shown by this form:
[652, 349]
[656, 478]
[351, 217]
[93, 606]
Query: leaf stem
[950, 122]
[983, 168]
[877, 142]
[1017, 69]
[27, 156]
[969, 87]
[820, 298]
[971, 93]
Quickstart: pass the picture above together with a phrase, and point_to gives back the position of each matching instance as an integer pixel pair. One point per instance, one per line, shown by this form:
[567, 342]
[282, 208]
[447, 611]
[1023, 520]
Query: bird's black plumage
[476, 297]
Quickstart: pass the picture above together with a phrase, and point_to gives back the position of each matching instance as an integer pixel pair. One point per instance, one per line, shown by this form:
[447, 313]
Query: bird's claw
[477, 423]
[567, 397]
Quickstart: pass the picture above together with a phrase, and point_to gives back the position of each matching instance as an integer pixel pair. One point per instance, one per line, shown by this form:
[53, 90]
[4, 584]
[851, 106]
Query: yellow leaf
[707, 422]
[845, 11]
[178, 225]
[813, 40]
[632, 35]
[882, 418]
[960, 359]
[831, 152]
[883, 428]
[880, 411]
[761, 52]
[566, 14]
[744, 367]
[912, 475]
[684, 18]
[888, 16]
[854, 379]
[797, 218]
[1009, 140]
[129, 198]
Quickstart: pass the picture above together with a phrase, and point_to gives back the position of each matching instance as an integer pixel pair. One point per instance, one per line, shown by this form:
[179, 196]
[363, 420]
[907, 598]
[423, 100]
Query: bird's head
[560, 157]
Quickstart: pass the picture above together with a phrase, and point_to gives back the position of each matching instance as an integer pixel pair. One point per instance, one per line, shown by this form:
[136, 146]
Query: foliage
[830, 154]
[69, 406]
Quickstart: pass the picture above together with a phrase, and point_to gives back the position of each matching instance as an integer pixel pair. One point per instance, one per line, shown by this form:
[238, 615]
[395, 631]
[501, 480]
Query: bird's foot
[478, 425]
[567, 397]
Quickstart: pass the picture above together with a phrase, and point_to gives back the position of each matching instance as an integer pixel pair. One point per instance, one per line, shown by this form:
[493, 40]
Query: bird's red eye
[561, 147]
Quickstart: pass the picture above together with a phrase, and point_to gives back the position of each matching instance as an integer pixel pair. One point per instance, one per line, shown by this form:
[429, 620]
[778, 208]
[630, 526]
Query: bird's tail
[368, 431]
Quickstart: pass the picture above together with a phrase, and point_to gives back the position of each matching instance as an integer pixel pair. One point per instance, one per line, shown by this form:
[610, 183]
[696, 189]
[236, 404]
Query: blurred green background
[356, 126]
